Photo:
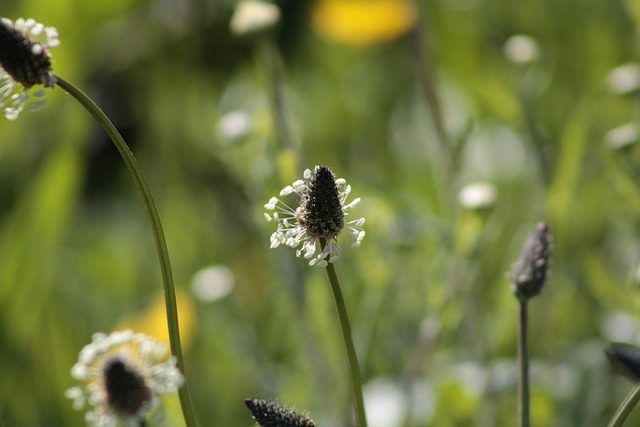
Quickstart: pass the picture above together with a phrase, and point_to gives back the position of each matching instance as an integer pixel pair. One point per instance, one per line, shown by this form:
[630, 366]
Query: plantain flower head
[122, 374]
[529, 273]
[319, 218]
[25, 63]
[267, 413]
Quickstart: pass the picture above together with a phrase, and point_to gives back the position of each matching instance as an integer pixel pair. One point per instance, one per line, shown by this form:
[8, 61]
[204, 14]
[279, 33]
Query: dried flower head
[530, 272]
[25, 62]
[626, 358]
[271, 414]
[123, 373]
[318, 219]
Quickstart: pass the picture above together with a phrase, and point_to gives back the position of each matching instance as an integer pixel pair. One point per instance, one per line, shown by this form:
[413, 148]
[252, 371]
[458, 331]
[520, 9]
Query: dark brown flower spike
[270, 414]
[529, 273]
[25, 62]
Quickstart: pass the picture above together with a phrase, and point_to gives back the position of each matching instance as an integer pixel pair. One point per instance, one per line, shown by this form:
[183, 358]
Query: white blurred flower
[478, 195]
[622, 136]
[620, 326]
[234, 125]
[625, 78]
[212, 283]
[521, 49]
[385, 403]
[122, 374]
[254, 16]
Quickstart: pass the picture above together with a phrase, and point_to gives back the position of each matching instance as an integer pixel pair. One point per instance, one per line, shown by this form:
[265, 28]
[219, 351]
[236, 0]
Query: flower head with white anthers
[123, 373]
[318, 219]
[25, 62]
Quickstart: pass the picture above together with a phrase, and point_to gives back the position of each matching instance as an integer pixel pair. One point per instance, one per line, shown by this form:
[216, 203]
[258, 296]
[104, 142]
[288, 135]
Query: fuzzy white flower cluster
[319, 218]
[25, 62]
[123, 374]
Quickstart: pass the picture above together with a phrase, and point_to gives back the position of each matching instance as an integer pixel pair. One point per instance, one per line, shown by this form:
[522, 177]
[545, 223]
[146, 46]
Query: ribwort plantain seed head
[318, 219]
[320, 211]
[270, 414]
[25, 62]
[529, 273]
[122, 376]
[127, 392]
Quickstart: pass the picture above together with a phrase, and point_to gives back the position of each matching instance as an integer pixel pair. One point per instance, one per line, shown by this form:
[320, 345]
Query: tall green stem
[626, 407]
[354, 368]
[158, 234]
[523, 365]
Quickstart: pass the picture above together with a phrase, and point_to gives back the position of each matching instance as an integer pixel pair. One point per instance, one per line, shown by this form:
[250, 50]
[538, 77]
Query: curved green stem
[161, 245]
[626, 407]
[523, 365]
[354, 368]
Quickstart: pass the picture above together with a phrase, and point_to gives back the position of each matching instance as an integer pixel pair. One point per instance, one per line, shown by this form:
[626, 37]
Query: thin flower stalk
[523, 366]
[316, 223]
[158, 233]
[528, 278]
[625, 408]
[352, 357]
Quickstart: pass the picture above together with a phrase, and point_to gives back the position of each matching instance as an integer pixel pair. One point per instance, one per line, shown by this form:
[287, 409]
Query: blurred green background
[428, 292]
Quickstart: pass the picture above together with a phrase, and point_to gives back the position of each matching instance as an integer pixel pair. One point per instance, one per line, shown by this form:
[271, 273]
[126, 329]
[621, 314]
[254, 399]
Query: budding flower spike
[123, 374]
[319, 218]
[270, 414]
[530, 271]
[25, 63]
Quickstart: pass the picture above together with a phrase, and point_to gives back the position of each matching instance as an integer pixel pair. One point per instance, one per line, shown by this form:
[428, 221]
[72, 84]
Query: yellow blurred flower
[153, 321]
[363, 22]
